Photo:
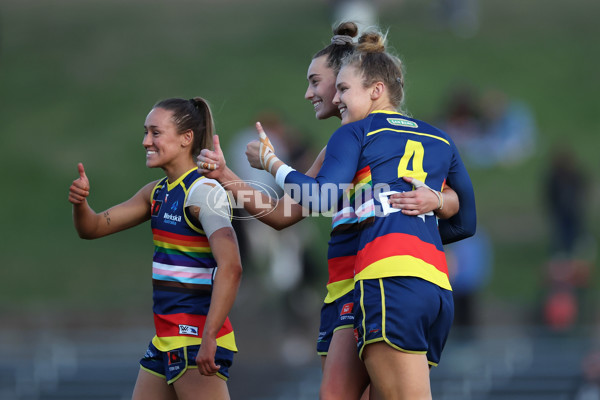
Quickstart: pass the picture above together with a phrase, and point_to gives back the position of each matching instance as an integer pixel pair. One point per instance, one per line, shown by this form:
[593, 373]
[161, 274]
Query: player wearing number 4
[196, 267]
[344, 375]
[403, 299]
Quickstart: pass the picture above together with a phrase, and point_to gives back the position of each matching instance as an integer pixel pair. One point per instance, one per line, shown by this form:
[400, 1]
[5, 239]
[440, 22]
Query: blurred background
[515, 83]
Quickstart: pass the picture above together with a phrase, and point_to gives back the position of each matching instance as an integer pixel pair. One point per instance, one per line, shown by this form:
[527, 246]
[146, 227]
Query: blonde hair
[376, 64]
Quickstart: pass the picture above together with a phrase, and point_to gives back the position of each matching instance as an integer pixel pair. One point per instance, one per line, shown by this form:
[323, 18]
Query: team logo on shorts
[347, 308]
[174, 357]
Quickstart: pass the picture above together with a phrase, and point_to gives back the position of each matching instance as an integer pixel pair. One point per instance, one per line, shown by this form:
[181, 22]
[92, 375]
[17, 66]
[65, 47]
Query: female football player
[196, 269]
[402, 298]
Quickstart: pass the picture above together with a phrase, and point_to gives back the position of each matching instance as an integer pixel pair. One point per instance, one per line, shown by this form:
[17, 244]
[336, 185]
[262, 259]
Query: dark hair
[378, 65]
[195, 115]
[338, 49]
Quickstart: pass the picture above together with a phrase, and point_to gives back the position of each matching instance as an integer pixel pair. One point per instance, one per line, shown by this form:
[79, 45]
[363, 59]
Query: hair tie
[399, 80]
[341, 40]
[193, 101]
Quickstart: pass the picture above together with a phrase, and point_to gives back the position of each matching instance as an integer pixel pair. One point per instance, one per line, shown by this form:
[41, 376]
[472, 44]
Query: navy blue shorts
[410, 314]
[338, 314]
[170, 365]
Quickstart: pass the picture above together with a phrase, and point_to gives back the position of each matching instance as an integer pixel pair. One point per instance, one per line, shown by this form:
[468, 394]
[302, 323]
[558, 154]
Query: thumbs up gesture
[80, 188]
[266, 150]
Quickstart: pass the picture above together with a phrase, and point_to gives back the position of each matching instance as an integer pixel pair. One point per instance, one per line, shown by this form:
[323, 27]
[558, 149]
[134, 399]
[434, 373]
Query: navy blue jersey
[391, 145]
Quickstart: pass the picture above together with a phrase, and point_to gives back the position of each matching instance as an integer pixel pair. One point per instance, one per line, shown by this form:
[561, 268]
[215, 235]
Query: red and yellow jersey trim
[169, 336]
[401, 254]
[341, 277]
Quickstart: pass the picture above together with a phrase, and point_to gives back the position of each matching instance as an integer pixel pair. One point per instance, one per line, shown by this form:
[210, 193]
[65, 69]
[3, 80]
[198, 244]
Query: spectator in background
[568, 269]
[490, 129]
[470, 263]
[564, 194]
[461, 115]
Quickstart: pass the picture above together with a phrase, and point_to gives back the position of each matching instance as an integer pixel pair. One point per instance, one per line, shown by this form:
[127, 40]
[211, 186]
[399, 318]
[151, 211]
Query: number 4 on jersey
[413, 151]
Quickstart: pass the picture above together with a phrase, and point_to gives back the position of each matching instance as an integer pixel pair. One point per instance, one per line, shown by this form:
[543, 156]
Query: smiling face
[164, 145]
[353, 99]
[321, 88]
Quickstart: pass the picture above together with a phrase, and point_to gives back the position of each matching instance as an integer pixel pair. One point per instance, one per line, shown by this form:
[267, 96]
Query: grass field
[78, 77]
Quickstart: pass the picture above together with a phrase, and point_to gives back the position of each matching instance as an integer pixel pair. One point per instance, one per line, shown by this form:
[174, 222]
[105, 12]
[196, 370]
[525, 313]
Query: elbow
[236, 272]
[85, 235]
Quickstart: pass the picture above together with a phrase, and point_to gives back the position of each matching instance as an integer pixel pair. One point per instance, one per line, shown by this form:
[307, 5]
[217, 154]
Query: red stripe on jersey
[200, 241]
[400, 244]
[169, 324]
[341, 268]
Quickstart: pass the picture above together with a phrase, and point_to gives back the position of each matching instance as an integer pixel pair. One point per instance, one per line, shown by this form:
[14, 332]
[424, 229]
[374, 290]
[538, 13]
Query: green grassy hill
[78, 78]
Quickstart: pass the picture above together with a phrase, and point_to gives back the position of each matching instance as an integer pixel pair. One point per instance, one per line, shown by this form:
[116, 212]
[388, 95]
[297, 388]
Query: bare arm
[277, 213]
[92, 225]
[224, 247]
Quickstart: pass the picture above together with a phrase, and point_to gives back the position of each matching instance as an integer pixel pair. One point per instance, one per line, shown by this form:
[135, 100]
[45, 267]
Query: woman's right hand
[80, 188]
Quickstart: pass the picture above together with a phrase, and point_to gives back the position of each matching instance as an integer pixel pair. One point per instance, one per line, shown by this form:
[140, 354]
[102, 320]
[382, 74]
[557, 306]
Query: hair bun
[371, 42]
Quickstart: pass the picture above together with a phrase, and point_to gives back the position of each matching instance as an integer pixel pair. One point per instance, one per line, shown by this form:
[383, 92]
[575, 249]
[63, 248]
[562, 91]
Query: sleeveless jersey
[183, 268]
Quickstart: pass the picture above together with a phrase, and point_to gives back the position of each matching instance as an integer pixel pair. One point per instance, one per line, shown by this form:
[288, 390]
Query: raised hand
[80, 188]
[211, 163]
[253, 154]
[266, 150]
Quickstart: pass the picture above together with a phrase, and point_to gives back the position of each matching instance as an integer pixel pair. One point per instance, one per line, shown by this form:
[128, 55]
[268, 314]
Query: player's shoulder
[205, 184]
[410, 124]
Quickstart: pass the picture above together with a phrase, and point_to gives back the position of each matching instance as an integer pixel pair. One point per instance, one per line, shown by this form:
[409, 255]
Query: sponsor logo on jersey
[171, 217]
[347, 308]
[188, 330]
[402, 122]
[174, 206]
[156, 204]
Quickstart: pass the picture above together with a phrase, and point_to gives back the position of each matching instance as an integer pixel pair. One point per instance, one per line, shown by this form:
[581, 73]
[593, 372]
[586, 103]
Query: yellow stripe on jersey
[411, 132]
[335, 290]
[174, 342]
[404, 265]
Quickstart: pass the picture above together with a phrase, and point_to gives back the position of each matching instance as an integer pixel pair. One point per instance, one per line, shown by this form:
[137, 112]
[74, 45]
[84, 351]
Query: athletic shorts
[335, 315]
[410, 314]
[172, 364]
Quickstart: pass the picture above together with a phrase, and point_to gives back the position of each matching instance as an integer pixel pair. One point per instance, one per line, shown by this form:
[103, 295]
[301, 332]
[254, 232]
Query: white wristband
[281, 174]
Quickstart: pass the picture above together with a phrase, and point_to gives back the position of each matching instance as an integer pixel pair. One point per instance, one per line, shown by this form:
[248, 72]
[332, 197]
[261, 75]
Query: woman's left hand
[211, 163]
[205, 360]
[415, 202]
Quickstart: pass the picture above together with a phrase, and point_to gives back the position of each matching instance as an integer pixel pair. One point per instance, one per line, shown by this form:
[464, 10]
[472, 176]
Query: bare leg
[194, 386]
[396, 375]
[344, 375]
[152, 387]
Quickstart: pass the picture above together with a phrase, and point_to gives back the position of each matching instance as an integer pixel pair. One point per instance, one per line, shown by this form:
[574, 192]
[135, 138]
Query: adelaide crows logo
[156, 204]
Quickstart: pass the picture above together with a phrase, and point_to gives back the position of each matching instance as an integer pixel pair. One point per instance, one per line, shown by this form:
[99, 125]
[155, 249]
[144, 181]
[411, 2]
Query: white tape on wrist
[282, 173]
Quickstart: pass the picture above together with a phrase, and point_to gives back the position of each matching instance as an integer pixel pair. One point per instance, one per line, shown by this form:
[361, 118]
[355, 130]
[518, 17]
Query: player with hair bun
[344, 375]
[196, 269]
[402, 296]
